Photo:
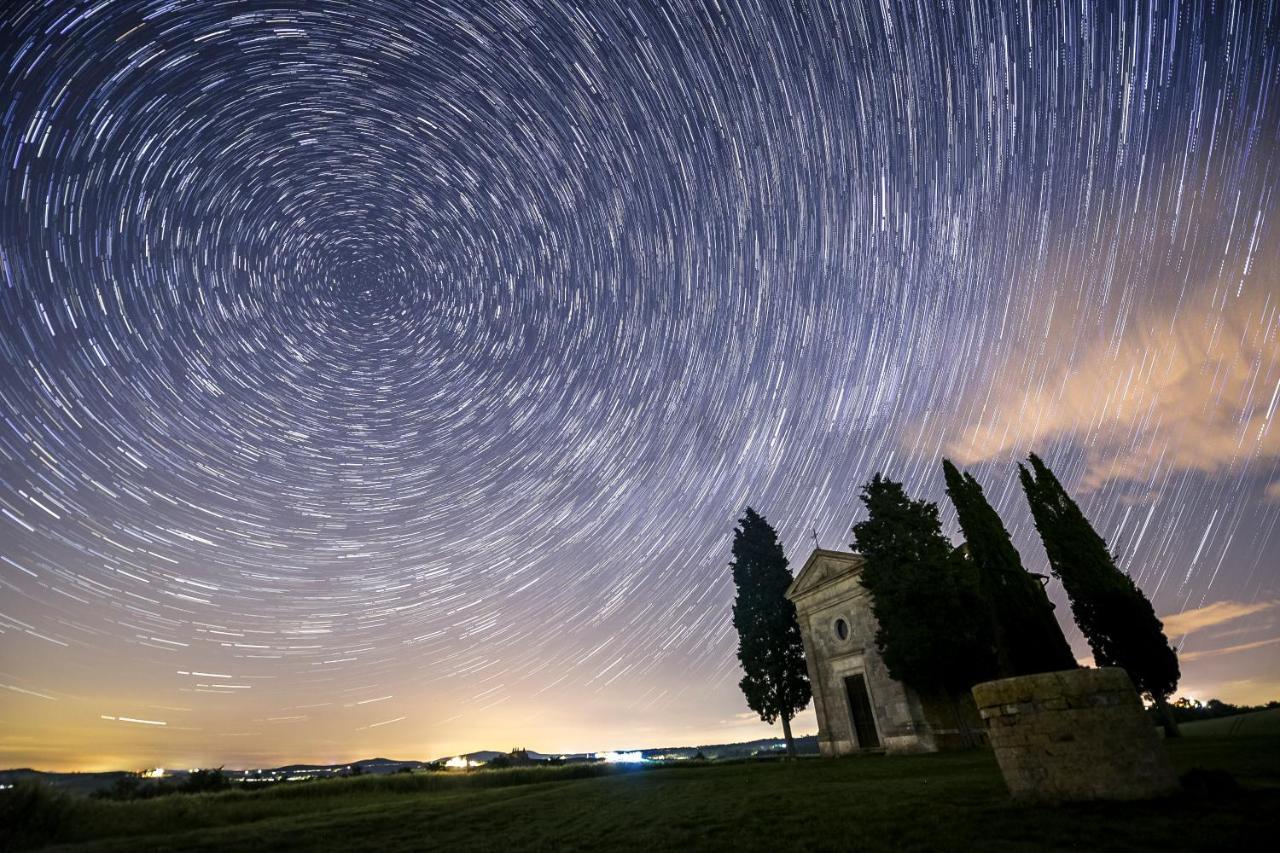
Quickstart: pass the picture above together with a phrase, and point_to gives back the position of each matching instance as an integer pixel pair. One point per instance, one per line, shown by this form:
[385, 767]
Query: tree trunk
[786, 733]
[1167, 721]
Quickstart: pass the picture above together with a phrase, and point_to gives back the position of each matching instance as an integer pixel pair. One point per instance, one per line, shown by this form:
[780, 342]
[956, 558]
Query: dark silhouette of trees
[1027, 636]
[1116, 618]
[124, 788]
[1193, 710]
[933, 633]
[770, 649]
[205, 781]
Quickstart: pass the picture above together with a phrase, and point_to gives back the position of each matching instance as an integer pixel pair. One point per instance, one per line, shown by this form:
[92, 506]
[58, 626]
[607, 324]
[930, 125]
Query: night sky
[387, 377]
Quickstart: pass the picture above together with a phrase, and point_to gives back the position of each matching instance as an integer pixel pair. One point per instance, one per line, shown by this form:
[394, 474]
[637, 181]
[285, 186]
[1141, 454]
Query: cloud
[1273, 491]
[1191, 387]
[1228, 650]
[1181, 624]
[1217, 613]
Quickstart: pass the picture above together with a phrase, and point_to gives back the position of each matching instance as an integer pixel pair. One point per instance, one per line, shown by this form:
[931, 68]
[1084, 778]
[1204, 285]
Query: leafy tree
[1117, 619]
[1027, 636]
[770, 649]
[933, 632]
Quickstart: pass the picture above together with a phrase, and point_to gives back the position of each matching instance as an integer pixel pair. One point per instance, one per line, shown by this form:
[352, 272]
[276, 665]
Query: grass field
[928, 802]
[1257, 723]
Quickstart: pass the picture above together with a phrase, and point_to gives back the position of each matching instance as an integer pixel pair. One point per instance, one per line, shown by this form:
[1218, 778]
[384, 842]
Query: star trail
[388, 376]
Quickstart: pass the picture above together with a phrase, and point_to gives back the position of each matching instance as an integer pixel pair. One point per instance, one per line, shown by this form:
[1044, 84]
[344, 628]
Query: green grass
[1256, 723]
[929, 802]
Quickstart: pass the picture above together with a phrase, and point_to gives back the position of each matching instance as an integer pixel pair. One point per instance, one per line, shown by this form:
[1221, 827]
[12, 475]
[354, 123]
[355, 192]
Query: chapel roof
[824, 566]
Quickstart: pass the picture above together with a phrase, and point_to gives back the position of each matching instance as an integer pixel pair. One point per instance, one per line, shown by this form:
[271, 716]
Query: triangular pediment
[824, 567]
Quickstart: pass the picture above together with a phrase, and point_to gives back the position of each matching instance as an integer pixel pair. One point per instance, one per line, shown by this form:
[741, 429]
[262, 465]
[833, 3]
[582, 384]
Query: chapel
[859, 705]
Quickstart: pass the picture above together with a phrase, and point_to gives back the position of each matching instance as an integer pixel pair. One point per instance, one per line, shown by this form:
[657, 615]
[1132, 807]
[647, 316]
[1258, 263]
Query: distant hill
[367, 765]
[806, 745]
[484, 756]
[87, 783]
[79, 783]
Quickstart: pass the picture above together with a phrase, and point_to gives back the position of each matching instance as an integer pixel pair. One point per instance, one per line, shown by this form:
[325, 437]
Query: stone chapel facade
[859, 706]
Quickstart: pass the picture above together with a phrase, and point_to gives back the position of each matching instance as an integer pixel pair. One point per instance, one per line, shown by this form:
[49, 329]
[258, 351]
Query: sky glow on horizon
[386, 378]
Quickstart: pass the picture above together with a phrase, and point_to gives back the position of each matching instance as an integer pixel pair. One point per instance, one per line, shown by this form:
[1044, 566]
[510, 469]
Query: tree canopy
[770, 648]
[933, 632]
[1116, 618]
[1026, 635]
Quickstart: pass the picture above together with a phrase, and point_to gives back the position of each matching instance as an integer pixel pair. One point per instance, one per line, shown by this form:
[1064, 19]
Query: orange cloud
[1243, 691]
[1181, 624]
[1195, 387]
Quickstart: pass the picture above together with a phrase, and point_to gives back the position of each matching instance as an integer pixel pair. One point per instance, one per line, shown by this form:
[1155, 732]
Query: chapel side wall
[820, 704]
[900, 723]
[947, 732]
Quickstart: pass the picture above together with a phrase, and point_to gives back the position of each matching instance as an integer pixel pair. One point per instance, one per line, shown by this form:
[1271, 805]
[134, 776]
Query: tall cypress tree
[770, 648]
[1027, 637]
[1117, 619]
[933, 628]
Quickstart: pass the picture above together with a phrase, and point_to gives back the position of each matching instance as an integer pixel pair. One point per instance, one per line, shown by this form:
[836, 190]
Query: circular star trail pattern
[381, 349]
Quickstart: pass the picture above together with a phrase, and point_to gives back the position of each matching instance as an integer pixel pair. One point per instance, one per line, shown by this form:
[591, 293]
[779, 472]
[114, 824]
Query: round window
[842, 629]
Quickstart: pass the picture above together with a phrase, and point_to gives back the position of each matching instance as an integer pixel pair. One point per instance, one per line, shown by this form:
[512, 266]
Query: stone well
[1079, 734]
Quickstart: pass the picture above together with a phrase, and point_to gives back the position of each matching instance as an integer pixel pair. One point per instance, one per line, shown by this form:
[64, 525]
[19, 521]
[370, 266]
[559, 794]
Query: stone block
[1074, 735]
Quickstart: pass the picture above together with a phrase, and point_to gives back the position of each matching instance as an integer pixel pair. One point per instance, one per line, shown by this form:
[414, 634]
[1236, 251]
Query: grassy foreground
[1257, 723]
[927, 802]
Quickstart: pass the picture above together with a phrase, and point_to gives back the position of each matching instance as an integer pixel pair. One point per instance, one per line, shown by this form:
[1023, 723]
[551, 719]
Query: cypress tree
[933, 629]
[1027, 636]
[1117, 619]
[770, 649]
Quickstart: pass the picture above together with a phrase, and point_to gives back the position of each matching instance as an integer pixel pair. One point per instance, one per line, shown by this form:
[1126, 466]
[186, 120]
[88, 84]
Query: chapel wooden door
[864, 721]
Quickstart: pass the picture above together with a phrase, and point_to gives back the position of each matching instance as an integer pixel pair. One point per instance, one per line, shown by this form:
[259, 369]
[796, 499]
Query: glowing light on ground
[462, 763]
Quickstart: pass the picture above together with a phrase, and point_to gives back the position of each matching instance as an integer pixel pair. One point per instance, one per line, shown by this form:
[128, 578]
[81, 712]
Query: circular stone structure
[1079, 734]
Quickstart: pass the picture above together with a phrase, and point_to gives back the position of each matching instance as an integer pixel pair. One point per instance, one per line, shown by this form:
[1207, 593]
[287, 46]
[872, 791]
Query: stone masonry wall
[1074, 735]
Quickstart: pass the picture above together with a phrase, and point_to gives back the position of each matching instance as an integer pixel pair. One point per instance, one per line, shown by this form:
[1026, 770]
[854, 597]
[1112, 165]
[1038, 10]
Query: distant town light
[461, 763]
[621, 757]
